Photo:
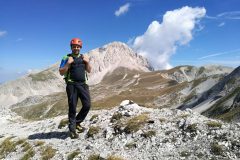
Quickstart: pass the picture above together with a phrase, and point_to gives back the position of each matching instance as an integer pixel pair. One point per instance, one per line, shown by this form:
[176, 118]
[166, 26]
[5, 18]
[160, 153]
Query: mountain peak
[116, 44]
[113, 55]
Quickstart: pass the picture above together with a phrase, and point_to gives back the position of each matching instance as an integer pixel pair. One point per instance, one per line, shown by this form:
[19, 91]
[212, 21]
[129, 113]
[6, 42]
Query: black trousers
[74, 91]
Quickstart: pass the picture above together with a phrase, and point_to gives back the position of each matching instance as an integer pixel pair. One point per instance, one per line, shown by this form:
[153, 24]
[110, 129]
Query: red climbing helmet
[76, 41]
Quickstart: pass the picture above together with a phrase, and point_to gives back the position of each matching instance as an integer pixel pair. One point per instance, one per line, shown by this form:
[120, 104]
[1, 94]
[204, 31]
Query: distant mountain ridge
[119, 73]
[104, 59]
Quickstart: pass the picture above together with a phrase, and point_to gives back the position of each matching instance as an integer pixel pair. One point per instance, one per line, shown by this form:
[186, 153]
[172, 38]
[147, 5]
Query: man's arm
[64, 67]
[88, 67]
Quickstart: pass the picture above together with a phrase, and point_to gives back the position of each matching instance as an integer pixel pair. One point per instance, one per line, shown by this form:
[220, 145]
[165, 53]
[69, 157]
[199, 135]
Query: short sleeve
[63, 62]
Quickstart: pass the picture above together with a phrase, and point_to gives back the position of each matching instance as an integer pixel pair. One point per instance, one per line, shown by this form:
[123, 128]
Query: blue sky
[35, 34]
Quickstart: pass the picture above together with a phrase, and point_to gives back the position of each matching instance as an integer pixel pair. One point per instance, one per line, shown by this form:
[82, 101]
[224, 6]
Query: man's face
[75, 49]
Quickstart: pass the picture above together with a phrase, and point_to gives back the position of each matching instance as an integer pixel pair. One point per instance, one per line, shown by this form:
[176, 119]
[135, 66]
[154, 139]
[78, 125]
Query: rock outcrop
[130, 131]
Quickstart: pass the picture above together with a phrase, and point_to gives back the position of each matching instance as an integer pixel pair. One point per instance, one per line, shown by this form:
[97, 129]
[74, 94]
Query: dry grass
[149, 134]
[20, 141]
[72, 155]
[116, 117]
[28, 155]
[216, 149]
[95, 116]
[162, 119]
[136, 123]
[38, 143]
[114, 157]
[47, 153]
[7, 147]
[110, 93]
[63, 123]
[131, 145]
[26, 146]
[92, 131]
[214, 124]
[43, 76]
[95, 157]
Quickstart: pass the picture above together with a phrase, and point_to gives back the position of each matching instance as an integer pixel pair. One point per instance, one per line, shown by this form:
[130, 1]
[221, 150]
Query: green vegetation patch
[134, 124]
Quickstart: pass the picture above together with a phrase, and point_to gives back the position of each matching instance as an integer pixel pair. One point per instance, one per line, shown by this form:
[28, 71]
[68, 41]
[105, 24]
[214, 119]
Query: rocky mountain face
[158, 89]
[114, 55]
[127, 131]
[42, 83]
[104, 60]
[221, 100]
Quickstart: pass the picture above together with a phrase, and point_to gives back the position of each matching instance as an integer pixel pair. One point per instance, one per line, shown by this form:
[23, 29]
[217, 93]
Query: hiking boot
[80, 128]
[73, 135]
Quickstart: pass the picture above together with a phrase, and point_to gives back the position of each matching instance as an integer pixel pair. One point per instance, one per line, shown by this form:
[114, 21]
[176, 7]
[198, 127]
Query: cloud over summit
[161, 40]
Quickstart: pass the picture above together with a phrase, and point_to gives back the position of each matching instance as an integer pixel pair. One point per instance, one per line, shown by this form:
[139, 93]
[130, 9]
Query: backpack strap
[66, 78]
[85, 71]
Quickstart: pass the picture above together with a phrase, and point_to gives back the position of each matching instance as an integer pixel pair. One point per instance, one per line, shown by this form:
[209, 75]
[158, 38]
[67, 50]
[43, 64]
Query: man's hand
[86, 59]
[70, 60]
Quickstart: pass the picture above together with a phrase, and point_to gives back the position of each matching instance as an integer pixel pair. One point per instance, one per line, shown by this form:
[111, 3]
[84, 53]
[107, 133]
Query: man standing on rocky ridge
[74, 66]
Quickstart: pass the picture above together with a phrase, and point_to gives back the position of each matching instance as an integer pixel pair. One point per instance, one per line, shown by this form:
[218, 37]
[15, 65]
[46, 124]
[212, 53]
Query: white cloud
[221, 24]
[122, 10]
[160, 41]
[236, 51]
[230, 15]
[3, 33]
[226, 15]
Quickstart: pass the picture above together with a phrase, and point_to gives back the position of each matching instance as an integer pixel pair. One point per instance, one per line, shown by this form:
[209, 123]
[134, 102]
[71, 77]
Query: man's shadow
[49, 135]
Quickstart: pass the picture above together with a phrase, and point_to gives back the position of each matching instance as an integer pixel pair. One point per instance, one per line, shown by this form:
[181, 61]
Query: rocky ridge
[218, 99]
[128, 131]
